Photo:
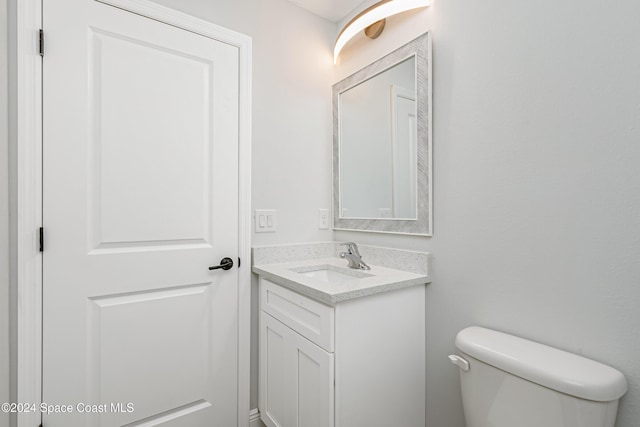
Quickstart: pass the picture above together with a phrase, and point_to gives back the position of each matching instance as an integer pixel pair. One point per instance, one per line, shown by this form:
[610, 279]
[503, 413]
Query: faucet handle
[351, 247]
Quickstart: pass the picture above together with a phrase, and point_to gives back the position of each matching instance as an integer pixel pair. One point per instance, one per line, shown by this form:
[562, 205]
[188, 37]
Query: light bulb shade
[371, 15]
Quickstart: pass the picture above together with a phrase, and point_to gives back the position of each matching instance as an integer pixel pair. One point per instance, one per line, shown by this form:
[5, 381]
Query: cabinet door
[273, 393]
[296, 378]
[312, 371]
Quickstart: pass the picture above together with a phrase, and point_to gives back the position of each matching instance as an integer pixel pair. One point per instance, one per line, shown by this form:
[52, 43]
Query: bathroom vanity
[341, 347]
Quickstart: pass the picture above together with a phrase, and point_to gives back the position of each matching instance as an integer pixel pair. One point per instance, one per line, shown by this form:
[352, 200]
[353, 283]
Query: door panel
[140, 198]
[143, 162]
[149, 339]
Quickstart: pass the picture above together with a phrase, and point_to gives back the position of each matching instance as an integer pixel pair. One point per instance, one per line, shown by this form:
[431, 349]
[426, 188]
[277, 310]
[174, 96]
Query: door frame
[29, 194]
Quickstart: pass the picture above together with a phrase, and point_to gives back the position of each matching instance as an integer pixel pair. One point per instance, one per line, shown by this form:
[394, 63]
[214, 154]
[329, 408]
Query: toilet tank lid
[552, 368]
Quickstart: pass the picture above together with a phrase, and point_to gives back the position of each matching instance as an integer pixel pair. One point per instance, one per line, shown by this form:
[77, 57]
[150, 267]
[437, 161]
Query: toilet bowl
[508, 381]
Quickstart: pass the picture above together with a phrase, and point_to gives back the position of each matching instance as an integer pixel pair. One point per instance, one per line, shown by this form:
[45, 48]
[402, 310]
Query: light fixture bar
[371, 15]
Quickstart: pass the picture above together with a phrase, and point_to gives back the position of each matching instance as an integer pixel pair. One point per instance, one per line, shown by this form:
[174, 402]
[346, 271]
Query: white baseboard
[254, 418]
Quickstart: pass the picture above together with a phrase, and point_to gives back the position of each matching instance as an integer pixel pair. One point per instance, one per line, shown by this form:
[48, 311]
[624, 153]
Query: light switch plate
[323, 219]
[266, 221]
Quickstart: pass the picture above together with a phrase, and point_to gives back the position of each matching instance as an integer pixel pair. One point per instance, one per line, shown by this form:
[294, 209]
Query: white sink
[330, 274]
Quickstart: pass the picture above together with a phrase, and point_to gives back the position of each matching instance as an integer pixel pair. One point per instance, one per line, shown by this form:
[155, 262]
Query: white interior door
[140, 188]
[404, 148]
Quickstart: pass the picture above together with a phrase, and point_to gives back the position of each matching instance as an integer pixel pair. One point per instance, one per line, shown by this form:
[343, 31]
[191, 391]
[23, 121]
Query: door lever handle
[225, 264]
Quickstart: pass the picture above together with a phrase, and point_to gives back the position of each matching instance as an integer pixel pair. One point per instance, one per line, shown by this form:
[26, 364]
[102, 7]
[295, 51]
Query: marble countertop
[379, 279]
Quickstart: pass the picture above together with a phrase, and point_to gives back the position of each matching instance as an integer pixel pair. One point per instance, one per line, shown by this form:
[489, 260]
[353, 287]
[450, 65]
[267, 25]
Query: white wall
[536, 180]
[4, 216]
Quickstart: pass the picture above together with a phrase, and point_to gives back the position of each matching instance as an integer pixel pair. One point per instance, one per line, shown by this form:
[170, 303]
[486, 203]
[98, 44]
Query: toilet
[508, 381]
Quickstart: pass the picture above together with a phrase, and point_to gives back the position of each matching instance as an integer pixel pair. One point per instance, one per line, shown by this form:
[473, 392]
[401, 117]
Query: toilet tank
[508, 381]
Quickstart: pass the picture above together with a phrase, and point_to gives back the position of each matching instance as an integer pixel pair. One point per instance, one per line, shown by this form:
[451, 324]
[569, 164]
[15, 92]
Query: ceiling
[333, 10]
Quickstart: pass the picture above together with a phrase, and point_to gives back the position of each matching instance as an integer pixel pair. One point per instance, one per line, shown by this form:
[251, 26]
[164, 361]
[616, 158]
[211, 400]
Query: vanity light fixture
[372, 20]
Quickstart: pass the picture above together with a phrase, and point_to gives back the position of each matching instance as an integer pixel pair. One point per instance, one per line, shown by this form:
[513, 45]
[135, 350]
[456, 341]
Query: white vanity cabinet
[360, 362]
[296, 373]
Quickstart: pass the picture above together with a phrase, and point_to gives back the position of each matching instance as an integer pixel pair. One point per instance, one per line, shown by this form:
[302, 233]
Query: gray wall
[536, 180]
[4, 216]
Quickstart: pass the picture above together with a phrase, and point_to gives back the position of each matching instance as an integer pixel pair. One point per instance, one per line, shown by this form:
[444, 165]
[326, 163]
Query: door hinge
[41, 42]
[41, 239]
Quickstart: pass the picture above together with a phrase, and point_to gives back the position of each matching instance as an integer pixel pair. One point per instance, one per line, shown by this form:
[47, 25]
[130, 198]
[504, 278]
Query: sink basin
[330, 273]
[328, 276]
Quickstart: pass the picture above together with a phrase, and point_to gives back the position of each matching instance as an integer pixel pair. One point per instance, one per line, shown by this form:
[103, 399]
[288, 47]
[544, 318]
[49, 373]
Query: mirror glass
[378, 145]
[382, 143]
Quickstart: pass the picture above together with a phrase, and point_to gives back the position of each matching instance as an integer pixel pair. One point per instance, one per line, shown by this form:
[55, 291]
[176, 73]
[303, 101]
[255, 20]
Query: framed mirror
[382, 180]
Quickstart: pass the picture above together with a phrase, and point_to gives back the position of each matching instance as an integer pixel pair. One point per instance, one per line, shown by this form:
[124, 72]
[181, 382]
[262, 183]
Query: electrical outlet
[323, 219]
[384, 213]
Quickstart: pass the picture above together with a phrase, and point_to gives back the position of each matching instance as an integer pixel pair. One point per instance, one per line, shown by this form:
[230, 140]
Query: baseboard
[254, 418]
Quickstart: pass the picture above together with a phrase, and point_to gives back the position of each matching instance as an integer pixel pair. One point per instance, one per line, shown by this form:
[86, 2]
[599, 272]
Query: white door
[404, 148]
[140, 159]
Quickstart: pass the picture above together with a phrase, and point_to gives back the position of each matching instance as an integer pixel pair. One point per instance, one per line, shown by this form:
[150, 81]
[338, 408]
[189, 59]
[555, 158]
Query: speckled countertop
[377, 280]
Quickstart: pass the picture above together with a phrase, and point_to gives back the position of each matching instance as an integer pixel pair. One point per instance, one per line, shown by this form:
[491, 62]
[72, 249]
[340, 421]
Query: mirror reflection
[382, 144]
[378, 145]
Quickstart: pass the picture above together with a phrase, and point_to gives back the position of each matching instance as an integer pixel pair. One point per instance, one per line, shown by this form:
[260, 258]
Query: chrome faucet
[352, 255]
